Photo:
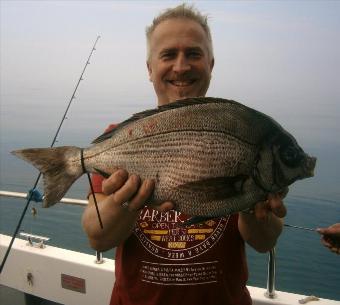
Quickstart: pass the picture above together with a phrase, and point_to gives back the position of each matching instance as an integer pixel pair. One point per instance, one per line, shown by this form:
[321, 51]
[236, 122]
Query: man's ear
[212, 63]
[148, 65]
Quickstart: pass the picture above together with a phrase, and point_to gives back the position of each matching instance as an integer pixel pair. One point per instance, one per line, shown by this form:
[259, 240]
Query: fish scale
[180, 155]
[209, 156]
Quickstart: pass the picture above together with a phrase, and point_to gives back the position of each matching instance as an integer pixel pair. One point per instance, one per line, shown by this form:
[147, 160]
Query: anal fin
[196, 220]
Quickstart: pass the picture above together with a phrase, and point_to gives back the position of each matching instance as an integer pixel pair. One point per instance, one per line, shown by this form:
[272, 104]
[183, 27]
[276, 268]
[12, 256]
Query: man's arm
[118, 220]
[262, 228]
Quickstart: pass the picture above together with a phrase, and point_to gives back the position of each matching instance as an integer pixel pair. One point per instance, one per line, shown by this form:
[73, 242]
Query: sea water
[304, 266]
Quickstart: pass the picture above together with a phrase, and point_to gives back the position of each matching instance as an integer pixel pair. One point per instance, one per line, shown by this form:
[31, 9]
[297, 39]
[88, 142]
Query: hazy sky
[281, 57]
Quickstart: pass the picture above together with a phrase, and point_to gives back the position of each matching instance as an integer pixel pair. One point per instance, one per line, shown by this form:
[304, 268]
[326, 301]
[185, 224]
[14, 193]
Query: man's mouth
[181, 83]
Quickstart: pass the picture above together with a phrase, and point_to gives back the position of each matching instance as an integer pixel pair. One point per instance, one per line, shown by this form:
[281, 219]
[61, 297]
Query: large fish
[209, 156]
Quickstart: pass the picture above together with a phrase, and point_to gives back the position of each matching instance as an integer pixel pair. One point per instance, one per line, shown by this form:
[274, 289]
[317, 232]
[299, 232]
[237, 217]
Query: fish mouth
[309, 166]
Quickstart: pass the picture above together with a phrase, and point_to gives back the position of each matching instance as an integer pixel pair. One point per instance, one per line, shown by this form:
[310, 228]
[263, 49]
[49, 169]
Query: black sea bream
[209, 156]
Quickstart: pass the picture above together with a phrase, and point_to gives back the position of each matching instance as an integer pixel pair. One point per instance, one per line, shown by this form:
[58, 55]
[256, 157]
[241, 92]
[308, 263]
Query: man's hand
[129, 192]
[273, 205]
[119, 206]
[262, 228]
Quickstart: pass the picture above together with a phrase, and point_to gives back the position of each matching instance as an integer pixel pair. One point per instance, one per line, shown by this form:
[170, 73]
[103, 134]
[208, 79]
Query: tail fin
[60, 166]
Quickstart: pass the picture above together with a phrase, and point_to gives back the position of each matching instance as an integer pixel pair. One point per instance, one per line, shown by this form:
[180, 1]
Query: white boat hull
[73, 278]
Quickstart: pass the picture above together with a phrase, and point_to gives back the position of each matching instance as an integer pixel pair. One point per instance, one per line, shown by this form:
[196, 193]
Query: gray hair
[181, 11]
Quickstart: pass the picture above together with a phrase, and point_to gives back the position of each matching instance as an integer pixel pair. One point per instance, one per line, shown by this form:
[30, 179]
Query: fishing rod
[32, 194]
[298, 227]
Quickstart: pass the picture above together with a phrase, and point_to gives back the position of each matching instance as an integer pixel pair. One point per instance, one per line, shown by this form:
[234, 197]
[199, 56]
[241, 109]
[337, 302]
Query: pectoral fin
[216, 188]
[102, 173]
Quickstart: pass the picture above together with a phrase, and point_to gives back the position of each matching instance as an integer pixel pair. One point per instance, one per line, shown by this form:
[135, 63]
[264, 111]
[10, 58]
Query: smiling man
[158, 260]
[180, 59]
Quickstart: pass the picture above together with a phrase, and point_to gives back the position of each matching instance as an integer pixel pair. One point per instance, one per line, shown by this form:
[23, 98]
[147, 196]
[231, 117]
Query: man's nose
[181, 64]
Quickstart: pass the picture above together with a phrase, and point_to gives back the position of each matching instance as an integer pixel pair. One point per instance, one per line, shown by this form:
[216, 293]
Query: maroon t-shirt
[164, 263]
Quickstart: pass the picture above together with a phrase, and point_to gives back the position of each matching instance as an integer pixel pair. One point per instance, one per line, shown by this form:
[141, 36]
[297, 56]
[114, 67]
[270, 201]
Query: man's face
[180, 64]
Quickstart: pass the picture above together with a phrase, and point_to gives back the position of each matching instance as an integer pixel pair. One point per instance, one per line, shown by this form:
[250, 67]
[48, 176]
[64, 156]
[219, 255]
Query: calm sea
[303, 265]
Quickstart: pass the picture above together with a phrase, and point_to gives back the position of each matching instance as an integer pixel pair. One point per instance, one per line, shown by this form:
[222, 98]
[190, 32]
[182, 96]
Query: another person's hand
[331, 237]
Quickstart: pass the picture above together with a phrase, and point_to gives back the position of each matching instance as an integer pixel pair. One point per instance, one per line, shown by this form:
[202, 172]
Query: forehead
[178, 33]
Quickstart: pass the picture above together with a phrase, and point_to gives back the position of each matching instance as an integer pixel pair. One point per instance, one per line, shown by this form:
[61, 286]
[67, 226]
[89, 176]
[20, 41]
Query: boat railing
[71, 201]
[270, 293]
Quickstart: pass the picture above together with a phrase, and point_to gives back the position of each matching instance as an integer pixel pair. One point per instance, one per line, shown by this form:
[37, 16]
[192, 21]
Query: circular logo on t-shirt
[165, 236]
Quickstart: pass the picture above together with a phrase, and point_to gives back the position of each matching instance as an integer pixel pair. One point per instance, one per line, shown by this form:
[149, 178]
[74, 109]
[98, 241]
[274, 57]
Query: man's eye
[169, 55]
[194, 54]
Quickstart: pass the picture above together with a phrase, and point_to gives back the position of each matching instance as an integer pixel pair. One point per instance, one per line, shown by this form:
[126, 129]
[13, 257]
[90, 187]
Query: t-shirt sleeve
[97, 181]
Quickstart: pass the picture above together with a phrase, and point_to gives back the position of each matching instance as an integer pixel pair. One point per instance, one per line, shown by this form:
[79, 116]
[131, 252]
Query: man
[157, 260]
[331, 237]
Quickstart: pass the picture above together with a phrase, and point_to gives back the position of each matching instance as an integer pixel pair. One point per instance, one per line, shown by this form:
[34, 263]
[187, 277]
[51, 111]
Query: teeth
[181, 83]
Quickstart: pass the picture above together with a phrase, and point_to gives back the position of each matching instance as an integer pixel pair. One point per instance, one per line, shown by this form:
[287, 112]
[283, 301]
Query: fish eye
[290, 156]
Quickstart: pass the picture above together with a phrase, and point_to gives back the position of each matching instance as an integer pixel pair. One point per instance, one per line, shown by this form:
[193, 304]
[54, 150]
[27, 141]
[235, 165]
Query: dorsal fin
[174, 105]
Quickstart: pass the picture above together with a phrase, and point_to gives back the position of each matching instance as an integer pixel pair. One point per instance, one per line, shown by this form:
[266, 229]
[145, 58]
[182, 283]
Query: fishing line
[298, 227]
[91, 185]
[31, 193]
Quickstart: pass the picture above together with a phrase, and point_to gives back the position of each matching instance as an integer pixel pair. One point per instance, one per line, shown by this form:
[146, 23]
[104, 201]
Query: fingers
[144, 191]
[326, 242]
[273, 204]
[129, 192]
[261, 210]
[331, 230]
[276, 205]
[114, 182]
[330, 244]
[322, 230]
[123, 188]
[331, 237]
[336, 250]
[330, 240]
[165, 207]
